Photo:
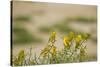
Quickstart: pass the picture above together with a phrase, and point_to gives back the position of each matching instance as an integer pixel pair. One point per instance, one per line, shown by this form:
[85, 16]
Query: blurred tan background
[34, 21]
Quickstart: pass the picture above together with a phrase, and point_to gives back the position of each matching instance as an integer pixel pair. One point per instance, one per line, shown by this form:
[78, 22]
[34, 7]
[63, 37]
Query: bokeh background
[33, 23]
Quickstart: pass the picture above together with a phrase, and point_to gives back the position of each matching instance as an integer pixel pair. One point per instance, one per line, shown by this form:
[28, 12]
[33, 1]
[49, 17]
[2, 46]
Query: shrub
[74, 50]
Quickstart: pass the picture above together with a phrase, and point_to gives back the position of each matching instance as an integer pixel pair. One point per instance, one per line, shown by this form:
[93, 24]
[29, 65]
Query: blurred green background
[34, 21]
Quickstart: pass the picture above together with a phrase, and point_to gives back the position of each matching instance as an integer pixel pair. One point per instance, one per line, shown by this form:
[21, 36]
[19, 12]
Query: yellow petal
[78, 38]
[71, 35]
[53, 50]
[66, 41]
[52, 37]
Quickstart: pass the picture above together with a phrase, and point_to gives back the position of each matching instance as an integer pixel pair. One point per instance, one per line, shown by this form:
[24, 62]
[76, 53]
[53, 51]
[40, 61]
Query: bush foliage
[74, 50]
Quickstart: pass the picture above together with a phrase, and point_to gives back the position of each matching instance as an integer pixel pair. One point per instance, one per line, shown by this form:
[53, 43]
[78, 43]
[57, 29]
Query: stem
[35, 59]
[30, 54]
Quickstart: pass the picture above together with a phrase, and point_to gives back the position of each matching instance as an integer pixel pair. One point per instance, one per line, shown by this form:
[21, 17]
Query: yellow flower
[21, 55]
[86, 36]
[53, 51]
[52, 37]
[78, 39]
[71, 35]
[45, 50]
[66, 41]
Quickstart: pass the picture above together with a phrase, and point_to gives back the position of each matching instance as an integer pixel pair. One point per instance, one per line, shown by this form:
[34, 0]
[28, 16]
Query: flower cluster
[74, 51]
